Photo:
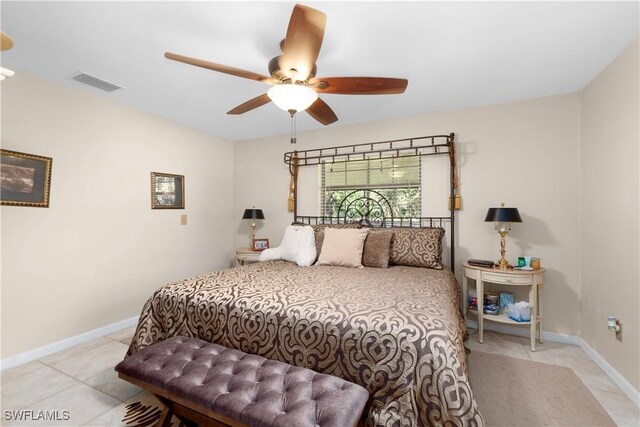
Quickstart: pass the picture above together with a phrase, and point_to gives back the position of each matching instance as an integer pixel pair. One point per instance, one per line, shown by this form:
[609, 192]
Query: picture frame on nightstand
[259, 245]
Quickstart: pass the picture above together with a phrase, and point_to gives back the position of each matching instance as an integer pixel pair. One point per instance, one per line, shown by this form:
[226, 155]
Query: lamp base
[503, 264]
[253, 234]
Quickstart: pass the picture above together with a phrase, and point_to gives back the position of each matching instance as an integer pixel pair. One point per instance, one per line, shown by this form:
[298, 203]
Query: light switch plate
[183, 219]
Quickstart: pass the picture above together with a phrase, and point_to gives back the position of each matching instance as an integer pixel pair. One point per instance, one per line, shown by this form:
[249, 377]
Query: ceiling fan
[295, 86]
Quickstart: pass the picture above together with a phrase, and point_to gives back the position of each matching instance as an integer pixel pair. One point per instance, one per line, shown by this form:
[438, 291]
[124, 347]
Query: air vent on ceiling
[90, 80]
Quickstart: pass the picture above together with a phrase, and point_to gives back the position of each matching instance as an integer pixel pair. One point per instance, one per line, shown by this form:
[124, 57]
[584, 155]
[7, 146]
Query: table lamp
[253, 214]
[503, 217]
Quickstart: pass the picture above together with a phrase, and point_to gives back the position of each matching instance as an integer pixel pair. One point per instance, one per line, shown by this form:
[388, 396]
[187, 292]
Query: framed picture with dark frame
[25, 179]
[259, 245]
[167, 191]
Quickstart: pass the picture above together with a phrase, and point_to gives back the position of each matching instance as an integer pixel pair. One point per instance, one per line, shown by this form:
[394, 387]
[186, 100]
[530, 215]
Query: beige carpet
[515, 392]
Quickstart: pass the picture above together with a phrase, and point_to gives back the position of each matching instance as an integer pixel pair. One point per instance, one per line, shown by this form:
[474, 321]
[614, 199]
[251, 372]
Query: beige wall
[609, 212]
[96, 254]
[524, 153]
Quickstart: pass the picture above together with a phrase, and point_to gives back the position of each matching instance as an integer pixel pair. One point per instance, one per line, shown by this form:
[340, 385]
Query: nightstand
[530, 278]
[246, 256]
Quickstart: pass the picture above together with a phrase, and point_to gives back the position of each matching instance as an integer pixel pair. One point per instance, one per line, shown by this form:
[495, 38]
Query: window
[398, 180]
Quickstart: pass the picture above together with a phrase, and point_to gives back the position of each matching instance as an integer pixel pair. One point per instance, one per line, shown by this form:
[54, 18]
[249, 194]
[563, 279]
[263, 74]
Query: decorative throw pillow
[342, 247]
[319, 231]
[377, 248]
[417, 247]
[319, 235]
[298, 245]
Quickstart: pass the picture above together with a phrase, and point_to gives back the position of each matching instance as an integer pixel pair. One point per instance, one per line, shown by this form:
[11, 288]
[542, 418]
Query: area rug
[515, 392]
[142, 411]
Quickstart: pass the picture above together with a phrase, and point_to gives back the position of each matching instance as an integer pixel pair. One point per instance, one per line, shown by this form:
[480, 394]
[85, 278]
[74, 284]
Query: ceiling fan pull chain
[293, 126]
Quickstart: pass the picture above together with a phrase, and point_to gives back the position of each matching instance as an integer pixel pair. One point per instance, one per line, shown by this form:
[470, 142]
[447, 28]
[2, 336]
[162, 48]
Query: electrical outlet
[183, 219]
[615, 325]
[619, 331]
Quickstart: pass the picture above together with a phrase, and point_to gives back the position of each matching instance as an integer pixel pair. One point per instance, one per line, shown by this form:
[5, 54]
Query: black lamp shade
[503, 215]
[253, 214]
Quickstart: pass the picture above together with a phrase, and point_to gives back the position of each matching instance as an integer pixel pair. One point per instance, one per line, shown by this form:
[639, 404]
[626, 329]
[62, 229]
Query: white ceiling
[454, 54]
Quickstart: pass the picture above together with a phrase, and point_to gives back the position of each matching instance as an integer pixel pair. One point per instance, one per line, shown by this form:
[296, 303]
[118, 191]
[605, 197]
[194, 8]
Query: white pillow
[298, 245]
[271, 254]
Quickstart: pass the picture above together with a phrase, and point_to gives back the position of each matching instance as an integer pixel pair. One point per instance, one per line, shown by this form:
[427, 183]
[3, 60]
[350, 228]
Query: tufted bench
[208, 384]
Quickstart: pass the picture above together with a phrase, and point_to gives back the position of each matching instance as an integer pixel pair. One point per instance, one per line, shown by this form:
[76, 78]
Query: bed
[396, 331]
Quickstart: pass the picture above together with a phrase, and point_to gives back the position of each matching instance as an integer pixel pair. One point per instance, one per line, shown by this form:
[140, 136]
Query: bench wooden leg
[187, 416]
[165, 417]
[186, 422]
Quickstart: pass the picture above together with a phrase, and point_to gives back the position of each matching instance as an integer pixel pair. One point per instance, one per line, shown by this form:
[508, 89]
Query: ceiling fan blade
[320, 111]
[219, 67]
[256, 102]
[5, 41]
[359, 85]
[303, 41]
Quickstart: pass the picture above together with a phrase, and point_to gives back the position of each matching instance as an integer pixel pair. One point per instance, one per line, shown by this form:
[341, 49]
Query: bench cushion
[245, 387]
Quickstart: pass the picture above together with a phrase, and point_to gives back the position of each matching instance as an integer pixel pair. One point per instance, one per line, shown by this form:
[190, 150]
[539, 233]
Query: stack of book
[480, 263]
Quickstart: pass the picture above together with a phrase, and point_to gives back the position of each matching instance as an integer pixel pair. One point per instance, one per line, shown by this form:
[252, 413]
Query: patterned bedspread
[398, 331]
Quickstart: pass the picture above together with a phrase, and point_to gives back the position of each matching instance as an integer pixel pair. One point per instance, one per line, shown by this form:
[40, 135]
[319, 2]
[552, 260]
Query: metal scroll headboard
[367, 206]
[370, 207]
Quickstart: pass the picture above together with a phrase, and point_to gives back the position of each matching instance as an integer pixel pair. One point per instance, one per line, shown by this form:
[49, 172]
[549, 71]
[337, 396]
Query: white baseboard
[615, 376]
[523, 331]
[38, 353]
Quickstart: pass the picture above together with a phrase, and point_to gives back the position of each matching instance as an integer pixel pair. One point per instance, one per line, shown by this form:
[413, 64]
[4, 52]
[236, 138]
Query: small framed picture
[25, 179]
[260, 244]
[167, 191]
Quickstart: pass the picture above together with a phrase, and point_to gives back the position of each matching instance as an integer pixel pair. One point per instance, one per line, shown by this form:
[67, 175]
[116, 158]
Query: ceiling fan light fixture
[294, 97]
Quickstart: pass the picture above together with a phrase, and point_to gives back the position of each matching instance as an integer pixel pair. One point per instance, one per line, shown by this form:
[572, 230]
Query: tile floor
[81, 379]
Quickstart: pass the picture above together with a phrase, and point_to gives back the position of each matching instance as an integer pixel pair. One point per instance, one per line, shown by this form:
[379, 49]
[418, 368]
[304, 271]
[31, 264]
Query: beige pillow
[342, 247]
[376, 249]
[319, 231]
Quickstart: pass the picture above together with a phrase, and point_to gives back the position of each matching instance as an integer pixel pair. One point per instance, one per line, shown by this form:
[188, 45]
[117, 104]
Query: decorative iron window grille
[396, 180]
